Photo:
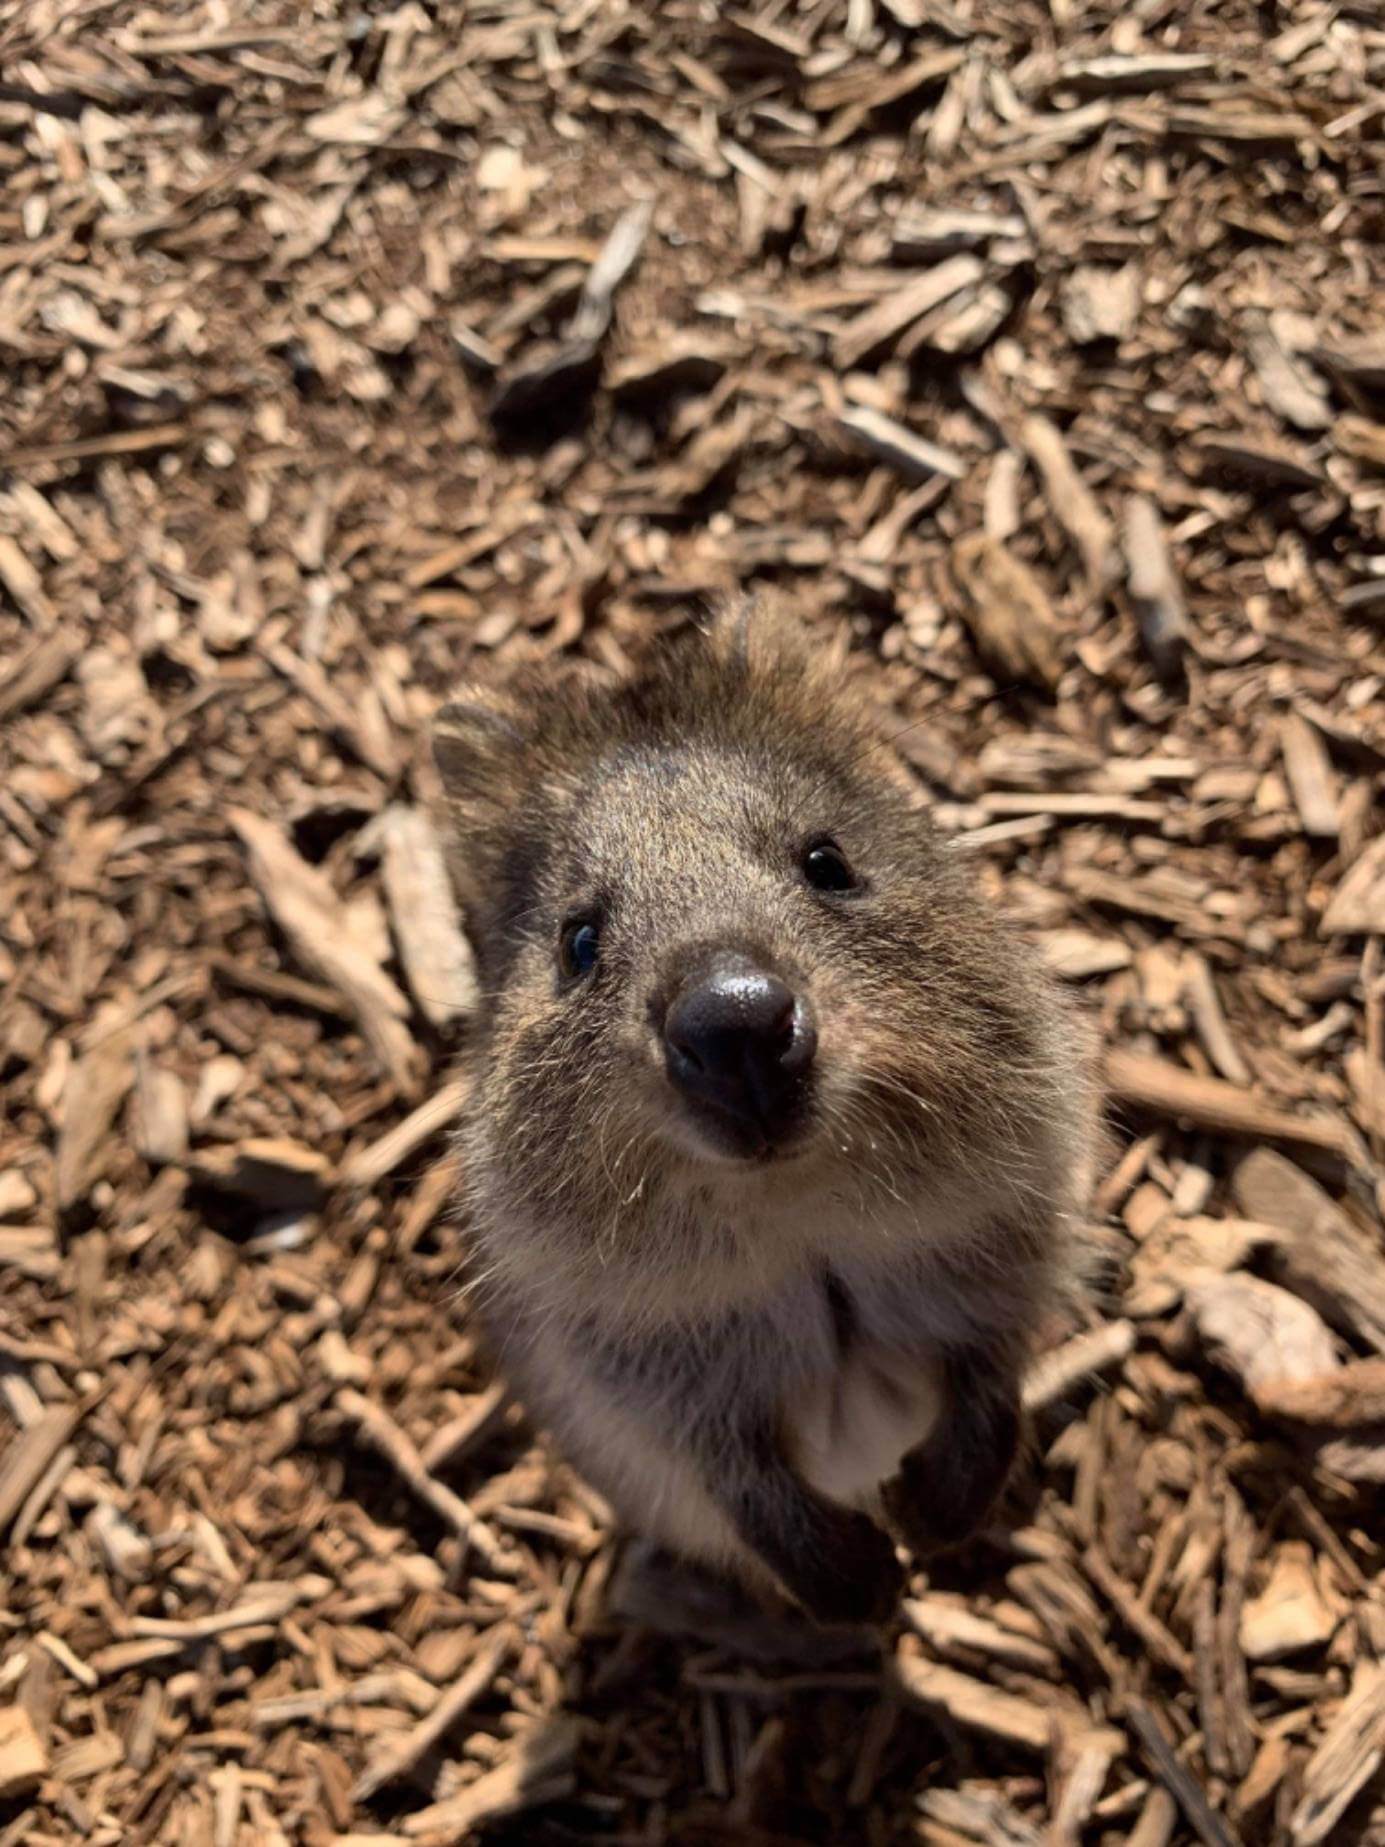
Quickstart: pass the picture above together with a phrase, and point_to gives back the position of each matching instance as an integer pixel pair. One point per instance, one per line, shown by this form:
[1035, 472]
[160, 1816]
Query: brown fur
[726, 1345]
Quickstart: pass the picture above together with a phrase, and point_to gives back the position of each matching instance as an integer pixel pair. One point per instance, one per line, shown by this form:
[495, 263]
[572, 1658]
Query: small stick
[1203, 1820]
[1142, 1622]
[1211, 1103]
[384, 1435]
[1204, 1004]
[1054, 1374]
[400, 1756]
[374, 1163]
[28, 1457]
[1157, 1820]
[1085, 1775]
[455, 1439]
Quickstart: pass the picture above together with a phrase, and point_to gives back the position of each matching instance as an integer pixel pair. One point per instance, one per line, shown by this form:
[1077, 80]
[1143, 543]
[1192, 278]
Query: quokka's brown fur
[768, 1364]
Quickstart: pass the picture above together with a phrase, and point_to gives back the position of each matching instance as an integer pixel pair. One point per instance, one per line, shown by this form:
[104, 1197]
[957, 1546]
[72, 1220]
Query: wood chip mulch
[1039, 343]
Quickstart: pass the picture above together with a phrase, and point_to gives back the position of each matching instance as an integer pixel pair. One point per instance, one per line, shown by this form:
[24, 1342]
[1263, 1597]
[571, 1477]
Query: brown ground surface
[1105, 491]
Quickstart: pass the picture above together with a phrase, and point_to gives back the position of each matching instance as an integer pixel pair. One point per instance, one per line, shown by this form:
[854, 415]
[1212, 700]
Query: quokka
[775, 1131]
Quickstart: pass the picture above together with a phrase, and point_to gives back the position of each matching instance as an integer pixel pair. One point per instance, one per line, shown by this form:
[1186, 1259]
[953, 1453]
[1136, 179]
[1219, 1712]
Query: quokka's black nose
[738, 1039]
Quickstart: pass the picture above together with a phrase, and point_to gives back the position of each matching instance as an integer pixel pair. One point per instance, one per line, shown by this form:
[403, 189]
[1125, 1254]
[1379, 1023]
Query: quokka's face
[722, 935]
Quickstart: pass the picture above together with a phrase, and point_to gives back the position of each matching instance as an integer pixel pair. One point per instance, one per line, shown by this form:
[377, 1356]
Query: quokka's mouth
[733, 1138]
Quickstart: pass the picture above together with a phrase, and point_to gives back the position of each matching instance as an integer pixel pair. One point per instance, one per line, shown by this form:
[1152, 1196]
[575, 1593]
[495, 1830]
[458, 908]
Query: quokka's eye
[578, 947]
[827, 868]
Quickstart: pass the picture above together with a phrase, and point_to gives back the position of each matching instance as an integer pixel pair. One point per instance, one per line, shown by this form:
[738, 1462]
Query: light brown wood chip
[1054, 1374]
[396, 1757]
[24, 584]
[952, 1628]
[1012, 621]
[539, 1770]
[370, 1165]
[95, 1089]
[1345, 1761]
[29, 1454]
[303, 904]
[978, 1706]
[1311, 780]
[433, 948]
[1204, 1004]
[1071, 501]
[875, 326]
[1169, 1090]
[1259, 1331]
[979, 1814]
[23, 1760]
[385, 1436]
[1326, 1258]
[1358, 904]
[894, 443]
[1350, 1398]
[1290, 1614]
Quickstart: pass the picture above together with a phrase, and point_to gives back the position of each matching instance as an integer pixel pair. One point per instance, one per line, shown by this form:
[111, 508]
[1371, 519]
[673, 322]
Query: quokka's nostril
[801, 1043]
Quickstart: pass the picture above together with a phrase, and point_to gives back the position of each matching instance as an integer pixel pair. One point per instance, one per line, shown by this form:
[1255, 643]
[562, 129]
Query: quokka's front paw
[943, 1493]
[859, 1582]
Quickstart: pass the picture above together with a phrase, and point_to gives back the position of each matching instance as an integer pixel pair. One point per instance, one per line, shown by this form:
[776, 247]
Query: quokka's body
[773, 1129]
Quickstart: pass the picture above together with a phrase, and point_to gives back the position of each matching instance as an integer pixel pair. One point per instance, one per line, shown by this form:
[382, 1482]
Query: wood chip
[161, 1114]
[34, 672]
[384, 1435]
[1168, 1090]
[886, 438]
[1154, 588]
[1325, 1258]
[1345, 1761]
[953, 1629]
[1054, 1375]
[1205, 1823]
[24, 585]
[923, 232]
[1260, 1332]
[307, 910]
[1072, 502]
[1292, 389]
[618, 256]
[978, 1814]
[1008, 612]
[23, 1759]
[1358, 904]
[277, 1174]
[398, 1757]
[1311, 781]
[30, 1453]
[539, 1770]
[1290, 1614]
[978, 1706]
[1100, 304]
[96, 1087]
[1077, 955]
[1348, 1398]
[875, 327]
[433, 948]
[370, 1165]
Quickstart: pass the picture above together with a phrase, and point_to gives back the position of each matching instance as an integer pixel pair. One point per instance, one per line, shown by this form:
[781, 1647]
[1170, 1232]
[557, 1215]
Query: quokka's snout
[739, 1045]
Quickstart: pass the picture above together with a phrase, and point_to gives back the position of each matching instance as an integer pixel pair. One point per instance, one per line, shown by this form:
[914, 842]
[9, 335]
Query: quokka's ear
[753, 631]
[727, 628]
[479, 741]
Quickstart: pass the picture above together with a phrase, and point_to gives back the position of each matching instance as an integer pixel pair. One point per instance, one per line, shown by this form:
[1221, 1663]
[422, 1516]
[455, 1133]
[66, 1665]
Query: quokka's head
[718, 934]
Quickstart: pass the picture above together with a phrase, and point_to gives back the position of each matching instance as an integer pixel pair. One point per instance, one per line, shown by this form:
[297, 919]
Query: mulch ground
[1040, 346]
